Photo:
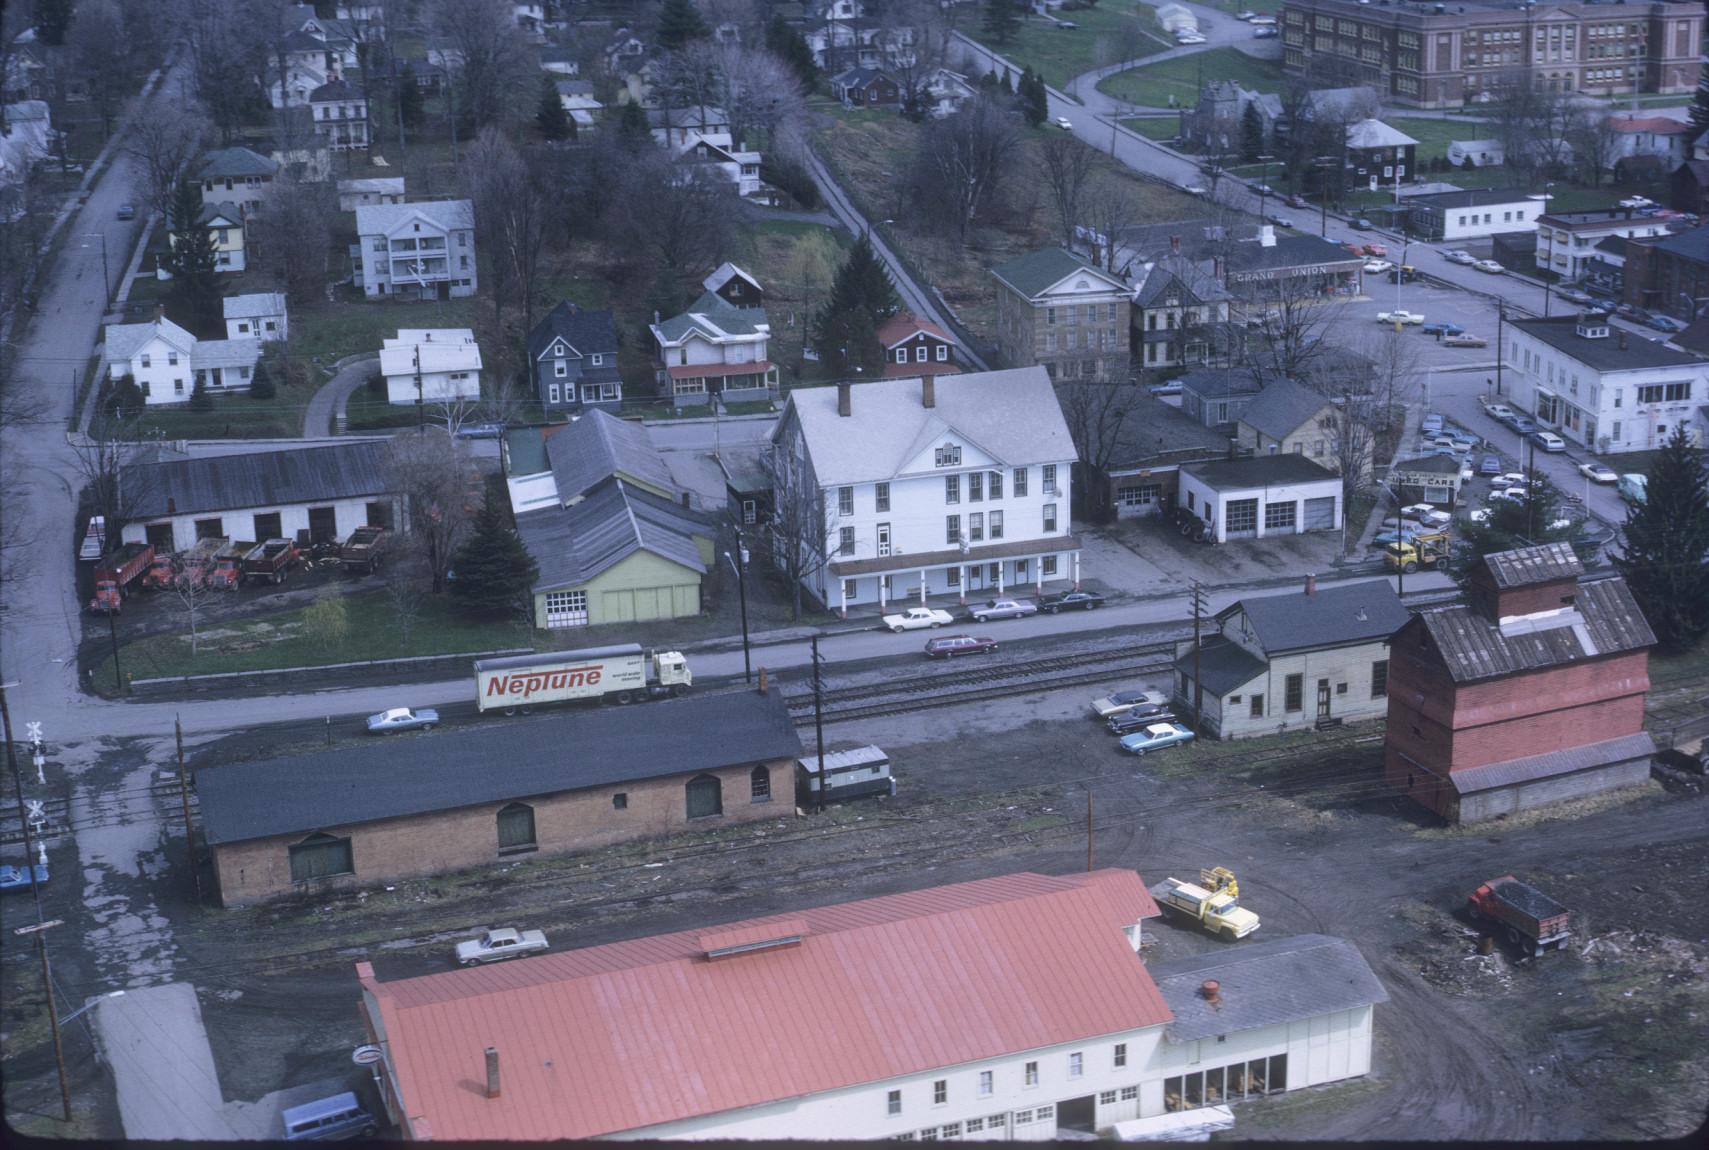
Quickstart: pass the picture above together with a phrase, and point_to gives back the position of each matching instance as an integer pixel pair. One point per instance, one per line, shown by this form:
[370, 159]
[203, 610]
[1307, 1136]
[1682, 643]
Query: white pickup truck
[500, 944]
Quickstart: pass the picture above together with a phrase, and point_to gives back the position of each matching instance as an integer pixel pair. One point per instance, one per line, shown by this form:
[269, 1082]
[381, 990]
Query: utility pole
[184, 795]
[819, 723]
[1198, 681]
[113, 631]
[18, 786]
[1500, 341]
[420, 407]
[52, 1011]
[740, 563]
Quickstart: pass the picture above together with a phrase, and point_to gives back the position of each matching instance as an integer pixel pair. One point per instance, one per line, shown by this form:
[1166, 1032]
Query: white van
[331, 1119]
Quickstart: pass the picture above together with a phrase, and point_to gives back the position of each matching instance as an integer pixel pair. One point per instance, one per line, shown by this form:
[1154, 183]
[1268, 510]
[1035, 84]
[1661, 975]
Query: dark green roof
[1037, 272]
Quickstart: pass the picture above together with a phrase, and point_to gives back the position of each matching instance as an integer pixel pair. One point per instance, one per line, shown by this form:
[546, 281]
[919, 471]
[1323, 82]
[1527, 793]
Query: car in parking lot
[1071, 601]
[127, 211]
[1598, 473]
[1121, 702]
[1666, 323]
[1155, 738]
[1426, 514]
[1511, 494]
[1457, 256]
[1441, 327]
[1377, 251]
[1548, 441]
[403, 719]
[1465, 339]
[1400, 315]
[1510, 479]
[949, 646]
[1489, 267]
[1377, 267]
[1003, 609]
[1405, 533]
[1489, 465]
[1131, 721]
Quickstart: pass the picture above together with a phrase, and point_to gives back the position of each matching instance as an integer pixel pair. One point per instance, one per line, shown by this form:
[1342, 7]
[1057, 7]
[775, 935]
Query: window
[952, 489]
[1107, 1098]
[1020, 482]
[920, 354]
[1050, 479]
[600, 392]
[949, 455]
[596, 360]
[566, 609]
[893, 1103]
[1050, 315]
[1294, 696]
[1380, 679]
[940, 1092]
[995, 485]
[1664, 393]
[1121, 1055]
[996, 524]
[943, 353]
[986, 1086]
[845, 541]
[1279, 516]
[976, 487]
[1047, 566]
[1129, 1093]
[849, 589]
[759, 785]
[145, 359]
[952, 529]
[1076, 1064]
[552, 393]
[560, 369]
[901, 355]
[172, 359]
[952, 576]
[1050, 517]
[881, 494]
[705, 796]
[976, 526]
[1030, 1076]
[516, 828]
[320, 856]
[1050, 342]
[845, 501]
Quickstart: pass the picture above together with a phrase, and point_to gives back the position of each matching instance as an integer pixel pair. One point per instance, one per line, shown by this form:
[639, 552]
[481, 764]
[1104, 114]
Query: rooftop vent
[1592, 325]
[1211, 991]
[750, 939]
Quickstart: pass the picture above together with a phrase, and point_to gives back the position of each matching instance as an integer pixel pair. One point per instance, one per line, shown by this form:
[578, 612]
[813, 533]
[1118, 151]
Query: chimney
[1311, 584]
[844, 406]
[159, 312]
[1174, 245]
[1218, 271]
[1211, 991]
[492, 1072]
[1622, 339]
[928, 391]
[762, 680]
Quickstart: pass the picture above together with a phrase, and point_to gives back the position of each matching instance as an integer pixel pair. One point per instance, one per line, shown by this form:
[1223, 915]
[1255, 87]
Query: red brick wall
[1497, 603]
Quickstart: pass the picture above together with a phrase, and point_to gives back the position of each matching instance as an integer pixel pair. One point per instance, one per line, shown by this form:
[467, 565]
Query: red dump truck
[115, 574]
[227, 574]
[271, 560]
[361, 552]
[196, 565]
[1532, 920]
[620, 674]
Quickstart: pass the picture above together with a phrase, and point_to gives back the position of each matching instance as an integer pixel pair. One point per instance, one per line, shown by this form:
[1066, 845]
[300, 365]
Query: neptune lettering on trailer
[526, 685]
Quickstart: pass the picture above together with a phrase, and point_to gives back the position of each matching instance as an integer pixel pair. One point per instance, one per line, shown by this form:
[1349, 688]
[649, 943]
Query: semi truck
[195, 565]
[620, 674]
[270, 560]
[1428, 551]
[227, 574]
[115, 574]
[1532, 920]
[1213, 903]
[361, 552]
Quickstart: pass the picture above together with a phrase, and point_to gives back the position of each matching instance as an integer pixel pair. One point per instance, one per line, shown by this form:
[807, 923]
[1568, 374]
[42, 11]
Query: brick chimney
[1174, 245]
[1211, 991]
[1311, 584]
[928, 391]
[492, 1072]
[844, 404]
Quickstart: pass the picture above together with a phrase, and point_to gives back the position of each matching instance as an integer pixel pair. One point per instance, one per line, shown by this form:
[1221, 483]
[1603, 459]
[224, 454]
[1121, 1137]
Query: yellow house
[225, 225]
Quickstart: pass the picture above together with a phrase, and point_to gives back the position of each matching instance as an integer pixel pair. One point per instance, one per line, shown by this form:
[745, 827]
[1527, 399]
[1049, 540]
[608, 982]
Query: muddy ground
[1607, 1040]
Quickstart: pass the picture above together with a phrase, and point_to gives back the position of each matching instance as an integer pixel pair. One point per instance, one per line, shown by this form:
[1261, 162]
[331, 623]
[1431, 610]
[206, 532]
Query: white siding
[240, 523]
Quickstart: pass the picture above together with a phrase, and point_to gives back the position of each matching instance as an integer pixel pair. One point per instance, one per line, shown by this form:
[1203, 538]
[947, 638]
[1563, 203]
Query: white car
[1196, 190]
[1377, 267]
[1481, 515]
[1489, 267]
[1427, 515]
[1121, 702]
[918, 618]
[1511, 494]
[1063, 123]
[1636, 202]
[1189, 38]
[1457, 256]
[498, 945]
[1399, 316]
[1498, 411]
[1598, 472]
[1510, 479]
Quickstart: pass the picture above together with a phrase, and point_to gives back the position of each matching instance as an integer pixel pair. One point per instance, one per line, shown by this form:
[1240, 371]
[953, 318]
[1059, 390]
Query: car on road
[1489, 465]
[1262, 189]
[403, 719]
[1071, 601]
[949, 646]
[1399, 315]
[1459, 256]
[1173, 387]
[127, 211]
[1489, 267]
[1362, 224]
[918, 618]
[1573, 295]
[1465, 339]
[1003, 609]
[1404, 274]
[1280, 221]
[1064, 123]
[1548, 441]
[1633, 487]
[1636, 202]
[1126, 724]
[1244, 15]
[500, 944]
[1666, 323]
[1297, 201]
[1377, 267]
[481, 431]
[1263, 32]
[1376, 251]
[1121, 702]
[1155, 738]
[1598, 473]
[1196, 190]
[1498, 411]
[18, 877]
[1441, 327]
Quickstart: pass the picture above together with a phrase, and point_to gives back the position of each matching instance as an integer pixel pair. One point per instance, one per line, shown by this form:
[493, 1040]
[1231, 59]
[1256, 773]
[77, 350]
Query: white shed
[1262, 495]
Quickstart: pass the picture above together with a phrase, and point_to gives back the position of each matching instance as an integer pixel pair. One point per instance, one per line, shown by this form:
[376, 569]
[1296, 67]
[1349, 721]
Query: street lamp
[741, 568]
[106, 279]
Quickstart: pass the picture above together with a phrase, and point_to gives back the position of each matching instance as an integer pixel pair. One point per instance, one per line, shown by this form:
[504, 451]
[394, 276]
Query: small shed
[1435, 479]
[1262, 495]
[858, 772]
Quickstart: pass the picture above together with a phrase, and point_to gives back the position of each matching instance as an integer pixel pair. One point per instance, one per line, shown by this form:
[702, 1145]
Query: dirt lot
[1238, 561]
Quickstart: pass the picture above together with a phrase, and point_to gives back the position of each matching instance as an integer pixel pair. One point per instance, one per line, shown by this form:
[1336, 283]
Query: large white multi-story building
[1566, 241]
[1600, 387]
[425, 250]
[166, 362]
[950, 485]
[423, 365]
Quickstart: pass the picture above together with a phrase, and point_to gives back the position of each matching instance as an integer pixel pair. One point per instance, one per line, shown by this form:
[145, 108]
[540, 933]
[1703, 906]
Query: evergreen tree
[1526, 523]
[1002, 20]
[848, 342]
[632, 126]
[1034, 99]
[786, 43]
[262, 385]
[200, 400]
[861, 296]
[679, 22]
[192, 262]
[1666, 557]
[53, 18]
[409, 97]
[550, 117]
[1251, 133]
[494, 570]
[1008, 82]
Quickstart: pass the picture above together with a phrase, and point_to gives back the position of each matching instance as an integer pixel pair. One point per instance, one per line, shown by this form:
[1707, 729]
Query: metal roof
[1259, 471]
[386, 779]
[383, 219]
[1224, 665]
[586, 452]
[1605, 621]
[1616, 351]
[1329, 617]
[1471, 197]
[1282, 407]
[640, 1033]
[1037, 272]
[572, 545]
[1566, 761]
[1376, 134]
[1265, 984]
[1525, 566]
[254, 305]
[266, 479]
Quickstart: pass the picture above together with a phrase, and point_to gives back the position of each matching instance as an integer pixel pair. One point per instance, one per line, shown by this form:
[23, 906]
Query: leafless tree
[429, 470]
[510, 221]
[106, 460]
[1066, 165]
[493, 73]
[962, 160]
[227, 51]
[406, 591]
[454, 413]
[760, 94]
[103, 56]
[802, 524]
[163, 143]
[1110, 207]
[1096, 414]
[293, 236]
[1293, 322]
[1394, 374]
[678, 215]
[1593, 142]
[1221, 147]
[191, 588]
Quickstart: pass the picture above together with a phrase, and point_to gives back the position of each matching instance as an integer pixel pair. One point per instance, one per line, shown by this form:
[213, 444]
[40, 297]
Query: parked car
[1377, 251]
[1297, 201]
[1489, 465]
[1121, 702]
[1280, 221]
[1263, 32]
[1362, 224]
[1666, 323]
[1244, 15]
[916, 618]
[1489, 267]
[334, 1119]
[498, 945]
[1636, 202]
[127, 211]
[1633, 487]
[1155, 738]
[1598, 473]
[403, 719]
[1548, 441]
[1404, 274]
[1573, 295]
[949, 646]
[1071, 601]
[1457, 256]
[1262, 188]
[1498, 411]
[481, 431]
[18, 877]
[1432, 423]
[1426, 514]
[1522, 424]
[1509, 479]
[1402, 534]
[1131, 721]
[1441, 327]
[1196, 190]
[1465, 339]
[1004, 609]
[1173, 387]
[1399, 315]
[1511, 494]
[1377, 267]
[1064, 123]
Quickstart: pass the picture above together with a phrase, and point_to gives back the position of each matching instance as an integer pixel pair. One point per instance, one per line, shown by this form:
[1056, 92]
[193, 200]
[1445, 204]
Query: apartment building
[1566, 241]
[1055, 309]
[425, 250]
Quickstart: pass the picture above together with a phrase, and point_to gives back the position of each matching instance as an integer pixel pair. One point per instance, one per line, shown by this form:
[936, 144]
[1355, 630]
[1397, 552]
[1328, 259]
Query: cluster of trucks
[217, 562]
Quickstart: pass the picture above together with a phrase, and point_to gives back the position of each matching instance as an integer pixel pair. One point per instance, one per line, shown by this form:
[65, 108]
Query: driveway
[329, 403]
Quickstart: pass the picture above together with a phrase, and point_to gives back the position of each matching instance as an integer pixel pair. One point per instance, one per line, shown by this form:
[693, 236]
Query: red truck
[1532, 920]
[115, 574]
[228, 565]
[361, 552]
[271, 560]
[196, 565]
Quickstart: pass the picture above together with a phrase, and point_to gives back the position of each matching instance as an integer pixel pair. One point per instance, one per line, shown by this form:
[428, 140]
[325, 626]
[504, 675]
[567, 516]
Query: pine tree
[494, 570]
[409, 97]
[53, 18]
[787, 44]
[262, 385]
[862, 295]
[1251, 133]
[632, 127]
[1667, 545]
[550, 117]
[1034, 99]
[192, 261]
[1002, 20]
[679, 22]
[200, 400]
[1008, 82]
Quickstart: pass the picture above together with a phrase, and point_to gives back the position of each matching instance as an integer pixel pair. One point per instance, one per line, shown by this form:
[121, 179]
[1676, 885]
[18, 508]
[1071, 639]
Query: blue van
[329, 1120]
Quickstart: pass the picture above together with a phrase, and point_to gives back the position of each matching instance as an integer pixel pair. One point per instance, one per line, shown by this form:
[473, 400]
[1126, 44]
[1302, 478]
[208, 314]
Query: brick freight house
[1530, 694]
[407, 808]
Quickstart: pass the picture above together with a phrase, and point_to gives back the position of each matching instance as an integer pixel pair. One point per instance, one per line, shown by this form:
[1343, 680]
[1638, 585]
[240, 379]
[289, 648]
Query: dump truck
[196, 565]
[1213, 903]
[227, 573]
[115, 574]
[620, 674]
[361, 552]
[1428, 551]
[1532, 920]
[271, 560]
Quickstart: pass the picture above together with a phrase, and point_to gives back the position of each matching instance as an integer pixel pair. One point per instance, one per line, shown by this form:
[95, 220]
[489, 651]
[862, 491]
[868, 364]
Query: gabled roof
[1655, 125]
[859, 77]
[450, 215]
[301, 41]
[124, 340]
[573, 545]
[1193, 282]
[1527, 566]
[336, 91]
[230, 163]
[727, 271]
[215, 213]
[585, 331]
[1430, 465]
[254, 305]
[1154, 433]
[1376, 134]
[903, 326]
[1282, 408]
[1224, 666]
[441, 349]
[1013, 416]
[1262, 984]
[714, 317]
[1691, 245]
[588, 451]
[1037, 272]
[224, 353]
[1330, 617]
[1220, 382]
[1603, 620]
[649, 1031]
[265, 479]
[1613, 245]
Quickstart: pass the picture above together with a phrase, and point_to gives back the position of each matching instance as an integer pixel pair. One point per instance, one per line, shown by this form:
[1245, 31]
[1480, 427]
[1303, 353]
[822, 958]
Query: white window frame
[920, 354]
[566, 609]
[943, 353]
[553, 394]
[560, 368]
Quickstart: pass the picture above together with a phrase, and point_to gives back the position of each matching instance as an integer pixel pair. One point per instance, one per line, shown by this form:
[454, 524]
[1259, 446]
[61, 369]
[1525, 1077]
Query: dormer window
[1592, 327]
[596, 360]
[949, 455]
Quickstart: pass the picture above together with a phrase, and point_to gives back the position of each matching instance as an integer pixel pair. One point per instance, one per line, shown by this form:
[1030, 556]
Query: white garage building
[1262, 495]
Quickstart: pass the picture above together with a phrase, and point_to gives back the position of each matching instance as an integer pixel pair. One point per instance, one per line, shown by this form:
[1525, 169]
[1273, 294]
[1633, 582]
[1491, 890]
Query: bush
[792, 177]
[200, 400]
[326, 622]
[122, 398]
[262, 386]
[375, 383]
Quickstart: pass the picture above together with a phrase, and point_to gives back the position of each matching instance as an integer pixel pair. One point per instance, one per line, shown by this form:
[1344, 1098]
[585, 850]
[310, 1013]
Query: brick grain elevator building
[1530, 693]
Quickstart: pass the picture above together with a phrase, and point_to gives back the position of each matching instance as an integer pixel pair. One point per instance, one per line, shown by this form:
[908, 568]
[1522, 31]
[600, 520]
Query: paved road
[333, 396]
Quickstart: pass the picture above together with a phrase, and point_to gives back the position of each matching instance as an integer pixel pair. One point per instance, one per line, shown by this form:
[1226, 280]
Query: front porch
[1008, 568]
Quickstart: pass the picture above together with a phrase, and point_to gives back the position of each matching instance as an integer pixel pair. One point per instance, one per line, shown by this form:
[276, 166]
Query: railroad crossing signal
[33, 732]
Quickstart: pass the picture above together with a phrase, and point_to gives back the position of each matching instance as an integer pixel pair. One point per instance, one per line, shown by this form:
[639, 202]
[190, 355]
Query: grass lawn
[1434, 136]
[773, 255]
[330, 331]
[1151, 85]
[370, 412]
[1155, 127]
[1060, 54]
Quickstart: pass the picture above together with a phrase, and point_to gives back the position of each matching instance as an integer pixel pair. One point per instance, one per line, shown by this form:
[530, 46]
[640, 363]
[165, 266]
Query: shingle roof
[1258, 471]
[1012, 416]
[450, 215]
[124, 340]
[380, 780]
[223, 353]
[903, 326]
[230, 213]
[1604, 620]
[1615, 352]
[1152, 431]
[1568, 760]
[232, 162]
[1037, 272]
[1376, 134]
[572, 545]
[724, 273]
[588, 451]
[587, 331]
[336, 91]
[1265, 984]
[254, 305]
[1224, 665]
[262, 479]
[713, 316]
[648, 1031]
[1220, 381]
[1430, 465]
[1282, 408]
[1333, 616]
[1690, 245]
[1524, 566]
[1195, 283]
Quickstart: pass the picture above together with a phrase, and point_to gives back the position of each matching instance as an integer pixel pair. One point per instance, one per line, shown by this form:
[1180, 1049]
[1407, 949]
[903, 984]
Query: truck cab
[1217, 911]
[1430, 551]
[671, 673]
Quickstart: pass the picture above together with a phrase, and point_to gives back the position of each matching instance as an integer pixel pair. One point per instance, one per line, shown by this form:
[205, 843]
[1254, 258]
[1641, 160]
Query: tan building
[1055, 309]
[1446, 55]
[1287, 418]
[391, 810]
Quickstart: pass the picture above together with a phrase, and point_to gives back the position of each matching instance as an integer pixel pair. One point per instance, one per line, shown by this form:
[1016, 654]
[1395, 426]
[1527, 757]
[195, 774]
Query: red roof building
[915, 346]
[1531, 693]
